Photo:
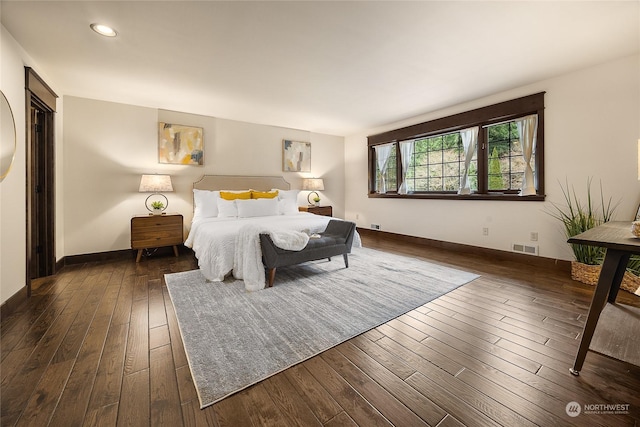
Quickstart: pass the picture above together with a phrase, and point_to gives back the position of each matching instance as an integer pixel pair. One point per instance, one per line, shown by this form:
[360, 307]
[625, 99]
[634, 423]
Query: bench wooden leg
[346, 260]
[272, 276]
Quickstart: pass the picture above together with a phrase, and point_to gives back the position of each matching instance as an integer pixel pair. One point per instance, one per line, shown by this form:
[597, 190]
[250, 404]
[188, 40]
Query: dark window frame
[481, 117]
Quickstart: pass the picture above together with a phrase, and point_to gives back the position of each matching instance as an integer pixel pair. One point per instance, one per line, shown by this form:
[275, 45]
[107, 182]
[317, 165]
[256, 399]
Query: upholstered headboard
[241, 182]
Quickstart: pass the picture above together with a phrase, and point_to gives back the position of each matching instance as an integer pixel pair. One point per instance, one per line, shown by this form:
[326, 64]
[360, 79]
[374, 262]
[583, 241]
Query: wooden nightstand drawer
[317, 210]
[156, 228]
[154, 231]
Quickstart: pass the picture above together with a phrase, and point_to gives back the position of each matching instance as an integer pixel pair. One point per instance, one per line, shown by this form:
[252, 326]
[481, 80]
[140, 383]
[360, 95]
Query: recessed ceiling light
[104, 30]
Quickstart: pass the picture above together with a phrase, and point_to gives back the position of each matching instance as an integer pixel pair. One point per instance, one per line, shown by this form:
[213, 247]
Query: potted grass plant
[577, 217]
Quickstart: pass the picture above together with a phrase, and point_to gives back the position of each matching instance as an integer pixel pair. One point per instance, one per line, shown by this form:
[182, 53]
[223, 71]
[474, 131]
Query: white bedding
[214, 240]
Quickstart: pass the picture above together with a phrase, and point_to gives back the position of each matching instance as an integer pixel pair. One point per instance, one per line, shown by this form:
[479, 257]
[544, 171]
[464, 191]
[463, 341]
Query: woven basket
[589, 274]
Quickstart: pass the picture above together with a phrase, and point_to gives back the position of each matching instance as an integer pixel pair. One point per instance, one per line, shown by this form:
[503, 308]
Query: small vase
[156, 211]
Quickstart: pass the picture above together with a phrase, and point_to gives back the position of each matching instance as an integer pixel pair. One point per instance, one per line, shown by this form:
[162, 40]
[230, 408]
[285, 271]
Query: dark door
[40, 156]
[42, 251]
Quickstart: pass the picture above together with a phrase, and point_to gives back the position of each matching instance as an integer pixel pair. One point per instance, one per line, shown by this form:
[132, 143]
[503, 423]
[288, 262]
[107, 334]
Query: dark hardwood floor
[98, 344]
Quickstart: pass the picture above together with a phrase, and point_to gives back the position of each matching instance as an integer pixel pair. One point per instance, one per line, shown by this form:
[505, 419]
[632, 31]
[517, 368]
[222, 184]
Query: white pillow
[288, 195]
[257, 207]
[205, 203]
[287, 207]
[227, 208]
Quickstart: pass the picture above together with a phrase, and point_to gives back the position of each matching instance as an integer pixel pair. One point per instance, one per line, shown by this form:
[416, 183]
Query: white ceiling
[329, 67]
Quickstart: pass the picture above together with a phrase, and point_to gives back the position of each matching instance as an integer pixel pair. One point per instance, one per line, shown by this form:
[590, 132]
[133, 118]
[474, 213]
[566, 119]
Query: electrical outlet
[534, 236]
[375, 226]
[485, 231]
[357, 216]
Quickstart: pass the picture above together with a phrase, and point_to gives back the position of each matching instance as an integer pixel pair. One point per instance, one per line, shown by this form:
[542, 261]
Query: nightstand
[155, 231]
[317, 210]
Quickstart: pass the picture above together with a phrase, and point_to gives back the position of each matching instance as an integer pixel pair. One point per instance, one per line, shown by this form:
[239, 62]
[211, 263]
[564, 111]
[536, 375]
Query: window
[437, 164]
[506, 165]
[386, 171]
[493, 152]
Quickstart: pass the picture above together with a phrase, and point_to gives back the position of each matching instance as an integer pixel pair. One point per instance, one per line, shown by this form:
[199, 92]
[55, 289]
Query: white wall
[12, 188]
[592, 127]
[105, 154]
[108, 146]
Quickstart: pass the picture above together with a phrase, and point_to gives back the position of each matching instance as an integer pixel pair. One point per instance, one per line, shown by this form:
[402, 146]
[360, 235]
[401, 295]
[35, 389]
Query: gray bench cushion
[335, 240]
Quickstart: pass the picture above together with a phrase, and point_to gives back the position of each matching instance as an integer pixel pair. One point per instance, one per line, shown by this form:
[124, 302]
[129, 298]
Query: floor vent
[525, 249]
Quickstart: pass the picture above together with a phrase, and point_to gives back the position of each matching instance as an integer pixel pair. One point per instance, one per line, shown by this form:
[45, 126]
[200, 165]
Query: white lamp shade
[312, 184]
[155, 184]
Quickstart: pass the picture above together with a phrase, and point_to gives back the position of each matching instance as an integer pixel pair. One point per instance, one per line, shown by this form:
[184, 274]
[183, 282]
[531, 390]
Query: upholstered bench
[335, 240]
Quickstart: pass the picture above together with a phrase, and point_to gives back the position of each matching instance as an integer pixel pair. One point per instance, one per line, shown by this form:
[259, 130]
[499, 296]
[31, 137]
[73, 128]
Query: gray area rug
[234, 338]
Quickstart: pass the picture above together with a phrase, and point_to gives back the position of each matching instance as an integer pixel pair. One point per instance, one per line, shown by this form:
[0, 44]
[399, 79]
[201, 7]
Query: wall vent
[524, 249]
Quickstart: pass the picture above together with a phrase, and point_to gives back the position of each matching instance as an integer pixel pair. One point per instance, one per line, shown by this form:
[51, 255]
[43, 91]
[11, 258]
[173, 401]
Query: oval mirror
[7, 137]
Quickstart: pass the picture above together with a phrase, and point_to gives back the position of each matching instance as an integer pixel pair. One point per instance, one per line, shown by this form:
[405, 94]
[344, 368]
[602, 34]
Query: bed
[224, 232]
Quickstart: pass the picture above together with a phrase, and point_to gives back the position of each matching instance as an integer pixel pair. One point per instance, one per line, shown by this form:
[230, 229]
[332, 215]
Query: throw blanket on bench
[247, 263]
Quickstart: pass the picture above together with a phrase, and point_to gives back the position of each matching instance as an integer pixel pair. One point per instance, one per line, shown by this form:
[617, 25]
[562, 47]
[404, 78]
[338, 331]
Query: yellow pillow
[264, 194]
[228, 195]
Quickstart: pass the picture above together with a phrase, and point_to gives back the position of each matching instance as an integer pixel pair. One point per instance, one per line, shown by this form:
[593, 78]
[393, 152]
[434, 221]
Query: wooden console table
[611, 329]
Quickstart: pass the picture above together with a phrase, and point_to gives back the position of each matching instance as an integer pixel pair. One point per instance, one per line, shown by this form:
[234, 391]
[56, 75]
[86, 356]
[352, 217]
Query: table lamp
[314, 185]
[156, 184]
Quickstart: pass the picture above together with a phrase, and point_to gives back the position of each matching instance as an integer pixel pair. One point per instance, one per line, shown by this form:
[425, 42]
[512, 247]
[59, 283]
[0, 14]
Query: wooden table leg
[175, 250]
[139, 255]
[272, 276]
[613, 267]
[619, 275]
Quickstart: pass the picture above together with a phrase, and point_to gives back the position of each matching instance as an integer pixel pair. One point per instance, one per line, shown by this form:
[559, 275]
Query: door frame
[41, 221]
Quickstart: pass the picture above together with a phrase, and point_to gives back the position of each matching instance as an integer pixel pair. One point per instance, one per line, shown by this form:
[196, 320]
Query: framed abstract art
[180, 145]
[296, 156]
